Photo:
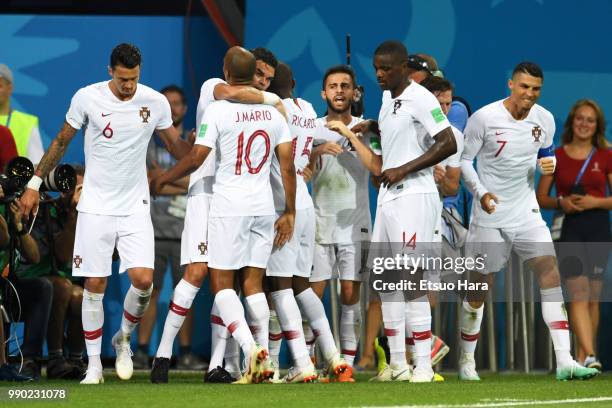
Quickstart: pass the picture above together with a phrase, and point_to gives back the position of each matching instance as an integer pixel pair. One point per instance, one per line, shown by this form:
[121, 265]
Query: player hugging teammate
[252, 226]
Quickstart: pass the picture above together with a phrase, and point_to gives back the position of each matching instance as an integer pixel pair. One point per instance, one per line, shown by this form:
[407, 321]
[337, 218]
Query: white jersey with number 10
[245, 137]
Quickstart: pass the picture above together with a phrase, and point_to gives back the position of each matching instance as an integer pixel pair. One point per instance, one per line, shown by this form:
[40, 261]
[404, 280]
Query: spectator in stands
[23, 125]
[167, 214]
[54, 232]
[582, 198]
[8, 149]
[32, 303]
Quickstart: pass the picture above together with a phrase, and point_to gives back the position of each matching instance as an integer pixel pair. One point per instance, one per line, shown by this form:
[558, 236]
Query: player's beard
[331, 107]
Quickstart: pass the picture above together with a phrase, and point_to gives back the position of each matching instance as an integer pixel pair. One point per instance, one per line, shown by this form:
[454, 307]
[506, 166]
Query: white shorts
[339, 261]
[236, 242]
[96, 238]
[194, 240]
[295, 257]
[496, 243]
[407, 221]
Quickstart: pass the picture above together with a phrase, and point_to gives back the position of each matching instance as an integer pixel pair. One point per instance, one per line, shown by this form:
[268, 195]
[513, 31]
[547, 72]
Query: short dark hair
[265, 55]
[127, 55]
[340, 69]
[436, 84]
[393, 47]
[530, 68]
[174, 88]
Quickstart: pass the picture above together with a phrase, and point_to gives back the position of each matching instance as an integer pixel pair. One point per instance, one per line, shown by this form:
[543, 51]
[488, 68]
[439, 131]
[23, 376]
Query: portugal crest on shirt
[77, 261]
[145, 113]
[536, 132]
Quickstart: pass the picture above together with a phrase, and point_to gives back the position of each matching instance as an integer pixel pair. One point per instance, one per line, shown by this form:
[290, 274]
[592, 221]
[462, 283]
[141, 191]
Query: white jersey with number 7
[506, 151]
[245, 137]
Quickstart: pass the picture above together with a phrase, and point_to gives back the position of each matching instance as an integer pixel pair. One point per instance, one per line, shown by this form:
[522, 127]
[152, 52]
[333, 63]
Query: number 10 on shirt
[246, 151]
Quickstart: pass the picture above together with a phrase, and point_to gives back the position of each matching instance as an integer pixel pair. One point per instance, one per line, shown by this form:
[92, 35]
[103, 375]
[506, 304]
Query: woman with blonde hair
[584, 170]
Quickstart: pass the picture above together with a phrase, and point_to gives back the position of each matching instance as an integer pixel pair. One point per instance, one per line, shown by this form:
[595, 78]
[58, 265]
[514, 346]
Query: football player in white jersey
[290, 266]
[408, 211]
[118, 118]
[342, 209]
[508, 138]
[241, 220]
[194, 242]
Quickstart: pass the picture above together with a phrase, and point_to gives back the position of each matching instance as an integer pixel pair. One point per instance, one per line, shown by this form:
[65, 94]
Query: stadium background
[475, 43]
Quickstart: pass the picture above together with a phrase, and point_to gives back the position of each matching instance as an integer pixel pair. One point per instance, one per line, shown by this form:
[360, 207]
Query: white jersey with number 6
[244, 137]
[116, 134]
[506, 150]
[302, 121]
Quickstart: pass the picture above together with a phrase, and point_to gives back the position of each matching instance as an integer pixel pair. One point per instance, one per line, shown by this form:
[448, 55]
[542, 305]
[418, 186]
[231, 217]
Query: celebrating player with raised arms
[508, 138]
[242, 216]
[118, 118]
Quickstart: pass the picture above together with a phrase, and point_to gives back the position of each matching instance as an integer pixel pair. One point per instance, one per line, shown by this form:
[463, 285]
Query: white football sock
[134, 305]
[232, 314]
[218, 340]
[419, 318]
[182, 298]
[312, 309]
[555, 317]
[309, 337]
[470, 321]
[395, 330]
[276, 335]
[291, 322]
[92, 315]
[350, 328]
[258, 317]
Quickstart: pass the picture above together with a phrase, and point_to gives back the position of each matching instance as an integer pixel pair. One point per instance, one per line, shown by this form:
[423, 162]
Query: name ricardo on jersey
[303, 122]
[253, 116]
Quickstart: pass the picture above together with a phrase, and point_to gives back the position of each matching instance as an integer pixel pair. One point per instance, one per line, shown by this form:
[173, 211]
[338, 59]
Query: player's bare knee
[546, 270]
[349, 292]
[280, 283]
[195, 273]
[95, 285]
[300, 284]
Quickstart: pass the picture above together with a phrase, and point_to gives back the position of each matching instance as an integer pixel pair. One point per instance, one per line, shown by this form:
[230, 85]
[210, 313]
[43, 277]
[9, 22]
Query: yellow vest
[21, 126]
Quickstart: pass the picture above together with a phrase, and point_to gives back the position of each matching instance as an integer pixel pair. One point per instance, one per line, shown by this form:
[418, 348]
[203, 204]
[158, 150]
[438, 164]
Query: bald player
[194, 241]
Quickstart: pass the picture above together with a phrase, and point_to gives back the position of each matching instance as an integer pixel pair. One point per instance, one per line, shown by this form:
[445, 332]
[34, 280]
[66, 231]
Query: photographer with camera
[54, 231]
[31, 300]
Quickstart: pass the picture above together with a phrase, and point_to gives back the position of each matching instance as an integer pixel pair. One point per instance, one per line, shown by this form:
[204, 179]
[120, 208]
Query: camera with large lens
[18, 172]
[60, 179]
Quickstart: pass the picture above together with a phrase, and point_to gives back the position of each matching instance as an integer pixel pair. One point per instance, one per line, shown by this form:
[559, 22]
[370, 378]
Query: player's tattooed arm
[56, 150]
[184, 167]
[175, 144]
[370, 160]
[444, 146]
[28, 202]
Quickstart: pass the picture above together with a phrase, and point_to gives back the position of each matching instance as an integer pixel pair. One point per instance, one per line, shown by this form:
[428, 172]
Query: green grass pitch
[188, 390]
